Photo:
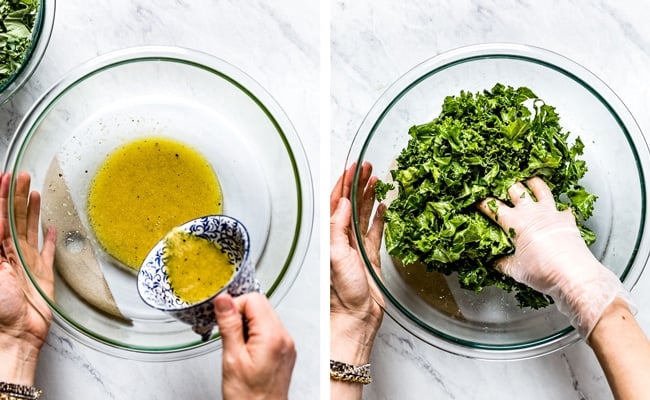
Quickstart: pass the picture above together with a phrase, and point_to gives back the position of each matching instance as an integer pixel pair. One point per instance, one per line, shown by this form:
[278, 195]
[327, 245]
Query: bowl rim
[522, 52]
[41, 34]
[264, 101]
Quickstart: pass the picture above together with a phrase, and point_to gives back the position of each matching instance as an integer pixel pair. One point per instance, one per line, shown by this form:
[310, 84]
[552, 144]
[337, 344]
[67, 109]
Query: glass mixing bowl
[490, 325]
[40, 39]
[192, 98]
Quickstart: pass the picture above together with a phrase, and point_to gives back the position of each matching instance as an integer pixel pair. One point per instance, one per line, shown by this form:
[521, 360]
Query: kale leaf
[381, 189]
[17, 19]
[479, 145]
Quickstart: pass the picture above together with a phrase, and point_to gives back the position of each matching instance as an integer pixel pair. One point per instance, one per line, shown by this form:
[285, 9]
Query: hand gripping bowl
[490, 325]
[192, 98]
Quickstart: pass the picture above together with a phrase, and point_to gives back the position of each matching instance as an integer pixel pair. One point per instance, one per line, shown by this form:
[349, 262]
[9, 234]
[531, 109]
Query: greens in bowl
[17, 22]
[478, 146]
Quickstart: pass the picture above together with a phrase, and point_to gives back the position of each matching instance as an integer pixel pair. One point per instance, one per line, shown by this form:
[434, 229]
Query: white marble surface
[375, 42]
[276, 43]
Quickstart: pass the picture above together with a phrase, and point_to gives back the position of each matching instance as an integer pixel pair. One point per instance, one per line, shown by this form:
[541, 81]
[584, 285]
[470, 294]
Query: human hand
[355, 300]
[550, 255]
[260, 367]
[24, 316]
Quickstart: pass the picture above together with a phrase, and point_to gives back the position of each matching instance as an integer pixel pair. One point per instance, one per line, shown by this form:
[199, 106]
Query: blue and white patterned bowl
[155, 289]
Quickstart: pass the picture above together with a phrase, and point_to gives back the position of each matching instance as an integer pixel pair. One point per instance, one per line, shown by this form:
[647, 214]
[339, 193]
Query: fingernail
[223, 304]
[342, 204]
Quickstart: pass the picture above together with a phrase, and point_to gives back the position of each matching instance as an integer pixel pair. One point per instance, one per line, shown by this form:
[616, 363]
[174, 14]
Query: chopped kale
[17, 18]
[479, 145]
[381, 188]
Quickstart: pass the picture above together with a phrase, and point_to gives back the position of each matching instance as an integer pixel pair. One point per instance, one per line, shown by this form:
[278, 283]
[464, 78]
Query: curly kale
[17, 18]
[479, 145]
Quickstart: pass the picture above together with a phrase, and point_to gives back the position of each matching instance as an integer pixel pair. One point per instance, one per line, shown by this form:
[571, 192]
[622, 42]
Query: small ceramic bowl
[153, 281]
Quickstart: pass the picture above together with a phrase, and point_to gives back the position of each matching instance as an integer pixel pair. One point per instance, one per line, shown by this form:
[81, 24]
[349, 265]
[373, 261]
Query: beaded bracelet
[350, 373]
[12, 391]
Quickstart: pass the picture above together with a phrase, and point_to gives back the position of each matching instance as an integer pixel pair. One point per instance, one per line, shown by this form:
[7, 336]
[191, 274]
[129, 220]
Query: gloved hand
[551, 257]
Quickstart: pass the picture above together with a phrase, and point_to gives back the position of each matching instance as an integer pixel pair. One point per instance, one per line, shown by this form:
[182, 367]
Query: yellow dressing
[143, 190]
[196, 267]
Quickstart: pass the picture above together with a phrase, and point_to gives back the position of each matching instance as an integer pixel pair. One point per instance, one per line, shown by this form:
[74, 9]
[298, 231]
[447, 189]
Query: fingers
[21, 198]
[366, 201]
[365, 173]
[49, 246]
[347, 181]
[540, 189]
[27, 208]
[43, 270]
[504, 265]
[231, 325]
[33, 213]
[342, 187]
[4, 197]
[494, 209]
[265, 327]
[376, 229]
[365, 192]
[259, 314]
[340, 229]
[373, 238]
[261, 319]
[518, 194]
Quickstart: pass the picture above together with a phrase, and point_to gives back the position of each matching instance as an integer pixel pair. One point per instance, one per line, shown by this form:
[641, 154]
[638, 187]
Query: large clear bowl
[491, 325]
[40, 39]
[193, 98]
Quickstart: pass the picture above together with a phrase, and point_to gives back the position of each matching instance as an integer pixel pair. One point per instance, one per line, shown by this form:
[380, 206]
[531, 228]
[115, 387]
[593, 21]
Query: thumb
[507, 266]
[230, 323]
[511, 266]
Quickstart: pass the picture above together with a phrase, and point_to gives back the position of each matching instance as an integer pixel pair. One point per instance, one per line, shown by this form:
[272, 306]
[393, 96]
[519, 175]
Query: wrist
[351, 339]
[19, 360]
[585, 303]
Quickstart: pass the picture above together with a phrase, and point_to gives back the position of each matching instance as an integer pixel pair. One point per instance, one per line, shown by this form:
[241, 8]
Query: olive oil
[144, 189]
[197, 268]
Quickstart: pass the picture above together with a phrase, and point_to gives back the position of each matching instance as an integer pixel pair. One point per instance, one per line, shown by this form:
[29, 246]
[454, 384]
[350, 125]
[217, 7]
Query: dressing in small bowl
[195, 262]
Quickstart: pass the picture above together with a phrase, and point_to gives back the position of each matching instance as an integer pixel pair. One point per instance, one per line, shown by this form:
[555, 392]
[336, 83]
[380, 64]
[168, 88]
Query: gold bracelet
[13, 391]
[8, 396]
[350, 373]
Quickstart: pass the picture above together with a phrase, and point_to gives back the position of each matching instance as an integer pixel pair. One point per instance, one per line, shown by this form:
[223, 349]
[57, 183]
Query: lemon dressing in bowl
[206, 104]
[143, 190]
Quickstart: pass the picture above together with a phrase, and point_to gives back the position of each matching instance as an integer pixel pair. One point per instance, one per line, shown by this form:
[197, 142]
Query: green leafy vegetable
[479, 146]
[16, 25]
[381, 188]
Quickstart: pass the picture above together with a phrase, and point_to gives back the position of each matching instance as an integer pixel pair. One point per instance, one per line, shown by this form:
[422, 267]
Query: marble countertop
[373, 44]
[276, 44]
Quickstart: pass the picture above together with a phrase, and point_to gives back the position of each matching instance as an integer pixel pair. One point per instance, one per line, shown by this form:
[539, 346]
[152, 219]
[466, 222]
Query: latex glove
[551, 256]
[260, 367]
